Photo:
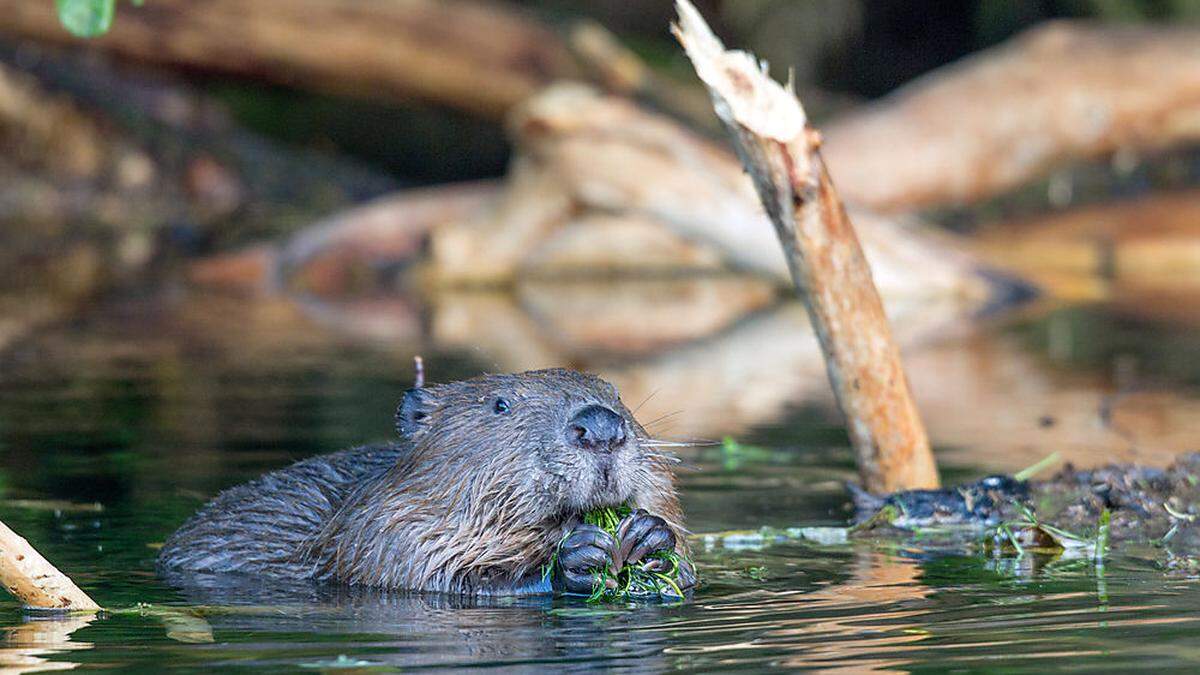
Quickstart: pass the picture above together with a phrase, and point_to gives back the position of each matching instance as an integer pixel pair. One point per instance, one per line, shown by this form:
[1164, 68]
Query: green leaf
[86, 18]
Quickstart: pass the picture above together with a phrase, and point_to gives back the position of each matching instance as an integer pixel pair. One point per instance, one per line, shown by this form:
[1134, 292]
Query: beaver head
[555, 441]
[493, 473]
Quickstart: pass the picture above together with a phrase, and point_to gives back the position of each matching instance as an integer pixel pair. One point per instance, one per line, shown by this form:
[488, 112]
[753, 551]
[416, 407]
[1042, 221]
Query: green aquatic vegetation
[1102, 535]
[881, 518]
[87, 18]
[756, 540]
[757, 573]
[1028, 534]
[734, 454]
[182, 624]
[607, 518]
[1036, 468]
[656, 576]
[1177, 518]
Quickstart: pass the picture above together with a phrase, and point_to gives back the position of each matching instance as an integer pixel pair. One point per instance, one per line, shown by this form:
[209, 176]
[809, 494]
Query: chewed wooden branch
[782, 154]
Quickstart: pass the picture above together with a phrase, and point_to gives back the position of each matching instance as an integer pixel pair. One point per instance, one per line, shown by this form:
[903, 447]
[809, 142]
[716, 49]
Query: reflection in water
[25, 647]
[1001, 407]
[151, 407]
[985, 393]
[708, 358]
[863, 622]
[427, 630]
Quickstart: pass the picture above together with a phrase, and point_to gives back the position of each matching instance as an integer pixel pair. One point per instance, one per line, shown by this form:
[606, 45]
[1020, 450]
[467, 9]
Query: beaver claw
[581, 557]
[588, 550]
[640, 535]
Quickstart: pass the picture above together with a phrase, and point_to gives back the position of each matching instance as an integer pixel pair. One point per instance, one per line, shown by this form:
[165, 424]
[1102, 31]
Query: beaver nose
[597, 428]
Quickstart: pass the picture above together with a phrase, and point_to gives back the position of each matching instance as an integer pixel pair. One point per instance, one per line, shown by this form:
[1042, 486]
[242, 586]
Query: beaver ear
[412, 417]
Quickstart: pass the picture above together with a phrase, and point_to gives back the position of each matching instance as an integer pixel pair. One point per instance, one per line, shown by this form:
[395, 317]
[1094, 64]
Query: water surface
[148, 407]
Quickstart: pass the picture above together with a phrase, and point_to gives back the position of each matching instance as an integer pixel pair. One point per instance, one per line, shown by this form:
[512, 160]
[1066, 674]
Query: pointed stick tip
[737, 82]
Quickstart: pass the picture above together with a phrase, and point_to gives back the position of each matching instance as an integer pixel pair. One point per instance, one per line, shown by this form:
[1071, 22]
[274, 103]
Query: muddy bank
[1073, 510]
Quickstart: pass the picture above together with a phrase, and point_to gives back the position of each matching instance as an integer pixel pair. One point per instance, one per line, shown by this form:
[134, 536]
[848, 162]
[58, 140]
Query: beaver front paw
[582, 557]
[642, 535]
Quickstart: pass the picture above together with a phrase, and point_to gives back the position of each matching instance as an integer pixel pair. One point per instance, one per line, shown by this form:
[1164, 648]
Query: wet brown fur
[470, 501]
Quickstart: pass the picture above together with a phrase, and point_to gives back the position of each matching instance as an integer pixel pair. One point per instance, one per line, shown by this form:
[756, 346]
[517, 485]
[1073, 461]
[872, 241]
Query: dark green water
[147, 415]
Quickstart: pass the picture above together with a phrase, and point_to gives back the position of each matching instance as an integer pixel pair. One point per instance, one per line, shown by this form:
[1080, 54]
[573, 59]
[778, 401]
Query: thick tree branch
[477, 56]
[1059, 93]
[781, 152]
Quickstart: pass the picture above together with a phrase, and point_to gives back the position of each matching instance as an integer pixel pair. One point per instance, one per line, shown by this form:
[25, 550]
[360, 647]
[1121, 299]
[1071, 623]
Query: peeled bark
[34, 581]
[782, 154]
[1060, 93]
[587, 163]
[475, 56]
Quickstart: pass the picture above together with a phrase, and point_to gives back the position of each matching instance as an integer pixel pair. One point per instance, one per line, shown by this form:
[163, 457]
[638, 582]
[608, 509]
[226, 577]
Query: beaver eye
[500, 406]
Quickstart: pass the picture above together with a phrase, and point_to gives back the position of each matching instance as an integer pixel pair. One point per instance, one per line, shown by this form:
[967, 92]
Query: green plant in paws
[655, 576]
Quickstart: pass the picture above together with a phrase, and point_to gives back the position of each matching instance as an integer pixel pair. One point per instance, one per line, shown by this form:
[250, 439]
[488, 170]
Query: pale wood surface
[1059, 93]
[34, 581]
[476, 56]
[782, 154]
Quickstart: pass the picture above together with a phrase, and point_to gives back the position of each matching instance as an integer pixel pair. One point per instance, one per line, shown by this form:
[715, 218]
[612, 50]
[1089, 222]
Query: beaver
[485, 488]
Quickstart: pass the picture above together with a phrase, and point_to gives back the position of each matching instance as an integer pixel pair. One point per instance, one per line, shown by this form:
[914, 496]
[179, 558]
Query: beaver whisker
[644, 402]
[655, 443]
[662, 418]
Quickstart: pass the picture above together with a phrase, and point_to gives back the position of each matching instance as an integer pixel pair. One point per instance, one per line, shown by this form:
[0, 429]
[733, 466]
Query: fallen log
[588, 163]
[599, 188]
[618, 70]
[476, 56]
[34, 581]
[782, 155]
[1059, 93]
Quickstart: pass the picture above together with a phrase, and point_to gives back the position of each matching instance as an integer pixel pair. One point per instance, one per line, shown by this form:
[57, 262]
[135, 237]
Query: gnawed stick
[34, 581]
[781, 152]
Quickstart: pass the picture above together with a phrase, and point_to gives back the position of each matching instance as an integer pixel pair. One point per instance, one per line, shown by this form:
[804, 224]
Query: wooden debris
[39, 646]
[618, 70]
[1059, 93]
[590, 165]
[782, 154]
[34, 581]
[334, 255]
[475, 56]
